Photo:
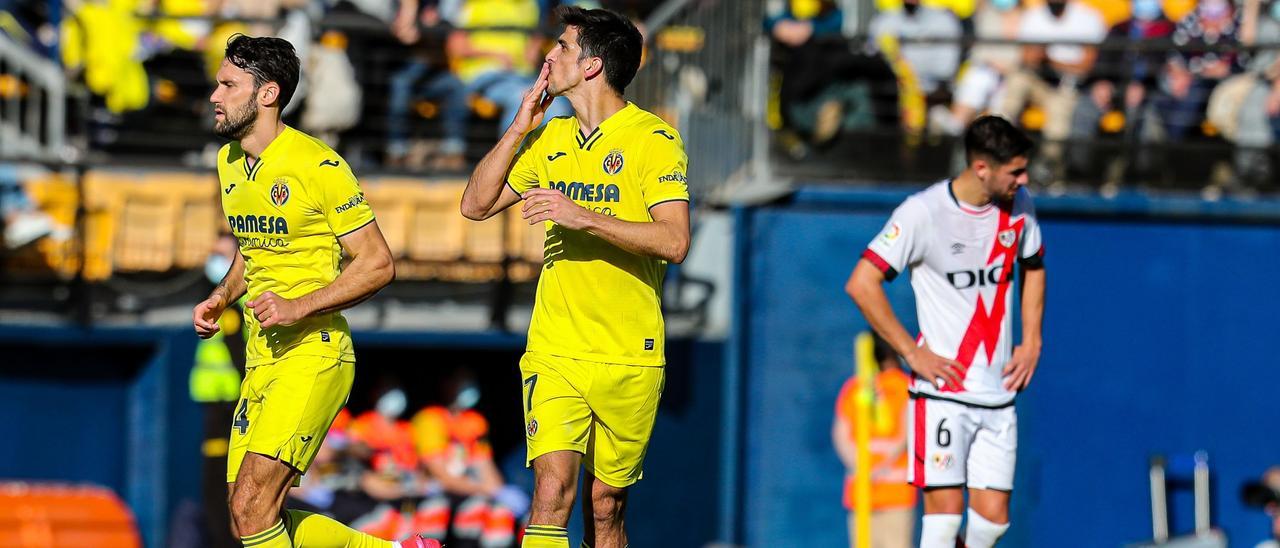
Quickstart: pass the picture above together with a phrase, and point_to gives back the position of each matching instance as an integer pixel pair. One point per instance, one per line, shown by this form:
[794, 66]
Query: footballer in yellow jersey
[597, 301]
[609, 186]
[295, 209]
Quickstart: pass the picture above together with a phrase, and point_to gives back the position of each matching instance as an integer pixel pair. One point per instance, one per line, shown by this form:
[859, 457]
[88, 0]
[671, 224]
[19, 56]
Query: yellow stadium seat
[436, 226]
[484, 239]
[103, 201]
[144, 239]
[393, 211]
[524, 242]
[49, 516]
[197, 213]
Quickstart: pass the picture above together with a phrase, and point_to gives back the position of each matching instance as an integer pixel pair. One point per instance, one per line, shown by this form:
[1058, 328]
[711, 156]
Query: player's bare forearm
[481, 198]
[663, 238]
[371, 269]
[1033, 289]
[232, 286]
[866, 288]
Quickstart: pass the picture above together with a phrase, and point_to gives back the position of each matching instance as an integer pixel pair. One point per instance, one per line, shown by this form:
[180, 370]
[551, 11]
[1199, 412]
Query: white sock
[939, 530]
[981, 532]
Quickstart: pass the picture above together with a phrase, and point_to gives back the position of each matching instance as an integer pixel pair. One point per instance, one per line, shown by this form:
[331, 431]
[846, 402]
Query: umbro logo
[664, 133]
[553, 157]
[957, 248]
[305, 439]
[228, 189]
[333, 163]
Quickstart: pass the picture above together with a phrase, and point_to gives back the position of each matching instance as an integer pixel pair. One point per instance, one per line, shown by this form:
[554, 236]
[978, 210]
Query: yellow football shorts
[603, 410]
[286, 409]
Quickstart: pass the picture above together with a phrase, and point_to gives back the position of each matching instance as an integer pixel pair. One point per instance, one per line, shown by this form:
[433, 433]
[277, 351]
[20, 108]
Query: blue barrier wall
[1156, 337]
[111, 407]
[106, 406]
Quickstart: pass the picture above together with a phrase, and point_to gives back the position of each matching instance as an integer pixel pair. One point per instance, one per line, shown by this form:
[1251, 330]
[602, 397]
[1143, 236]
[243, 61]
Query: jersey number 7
[529, 383]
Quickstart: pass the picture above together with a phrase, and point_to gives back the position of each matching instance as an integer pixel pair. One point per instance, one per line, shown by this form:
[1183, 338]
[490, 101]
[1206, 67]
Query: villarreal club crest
[280, 192]
[613, 162]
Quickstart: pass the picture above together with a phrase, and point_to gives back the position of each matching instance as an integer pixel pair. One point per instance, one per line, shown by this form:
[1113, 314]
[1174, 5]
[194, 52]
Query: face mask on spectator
[1057, 8]
[1004, 5]
[1214, 9]
[216, 267]
[1275, 10]
[392, 404]
[467, 397]
[1146, 10]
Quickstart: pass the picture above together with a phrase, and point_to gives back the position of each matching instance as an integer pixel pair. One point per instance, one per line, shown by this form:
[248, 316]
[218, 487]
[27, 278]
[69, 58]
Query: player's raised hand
[534, 106]
[205, 316]
[1018, 372]
[544, 204]
[934, 368]
[272, 310]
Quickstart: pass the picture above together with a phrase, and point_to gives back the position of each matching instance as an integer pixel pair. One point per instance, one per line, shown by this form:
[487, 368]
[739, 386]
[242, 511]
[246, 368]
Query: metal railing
[33, 102]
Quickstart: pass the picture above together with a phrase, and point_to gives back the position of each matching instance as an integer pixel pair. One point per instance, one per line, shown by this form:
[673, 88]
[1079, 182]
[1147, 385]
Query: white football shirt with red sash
[962, 267]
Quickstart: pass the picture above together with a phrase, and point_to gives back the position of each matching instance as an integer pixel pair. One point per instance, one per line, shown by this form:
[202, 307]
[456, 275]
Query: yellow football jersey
[596, 301]
[287, 211]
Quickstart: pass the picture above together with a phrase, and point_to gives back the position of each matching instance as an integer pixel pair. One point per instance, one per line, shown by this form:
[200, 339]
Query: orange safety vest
[888, 432]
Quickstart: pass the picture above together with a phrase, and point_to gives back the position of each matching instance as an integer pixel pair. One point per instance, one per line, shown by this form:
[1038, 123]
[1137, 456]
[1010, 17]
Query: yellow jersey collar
[609, 124]
[277, 143]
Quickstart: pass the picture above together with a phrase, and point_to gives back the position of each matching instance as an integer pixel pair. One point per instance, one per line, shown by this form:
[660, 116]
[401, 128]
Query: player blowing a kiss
[609, 185]
[961, 239]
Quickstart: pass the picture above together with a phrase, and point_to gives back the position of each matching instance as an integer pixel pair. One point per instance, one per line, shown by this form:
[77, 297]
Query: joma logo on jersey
[257, 224]
[964, 279]
[351, 202]
[584, 192]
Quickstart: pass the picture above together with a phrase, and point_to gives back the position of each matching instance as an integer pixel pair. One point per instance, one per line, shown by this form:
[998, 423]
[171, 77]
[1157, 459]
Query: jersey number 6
[944, 435]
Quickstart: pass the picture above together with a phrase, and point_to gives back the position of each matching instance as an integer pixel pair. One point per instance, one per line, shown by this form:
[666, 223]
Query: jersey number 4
[242, 417]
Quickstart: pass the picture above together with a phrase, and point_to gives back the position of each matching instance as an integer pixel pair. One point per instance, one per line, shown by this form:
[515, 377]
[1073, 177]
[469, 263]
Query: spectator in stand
[1052, 73]
[426, 75]
[933, 64]
[1121, 80]
[978, 87]
[386, 443]
[1191, 72]
[817, 61]
[1257, 134]
[470, 499]
[497, 51]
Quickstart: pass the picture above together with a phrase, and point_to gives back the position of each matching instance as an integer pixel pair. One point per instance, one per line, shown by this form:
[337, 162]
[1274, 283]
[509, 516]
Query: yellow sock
[545, 536]
[310, 530]
[273, 537]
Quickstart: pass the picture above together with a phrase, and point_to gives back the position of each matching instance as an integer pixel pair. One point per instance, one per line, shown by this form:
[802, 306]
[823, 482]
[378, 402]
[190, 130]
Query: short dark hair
[268, 59]
[609, 36]
[994, 138]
